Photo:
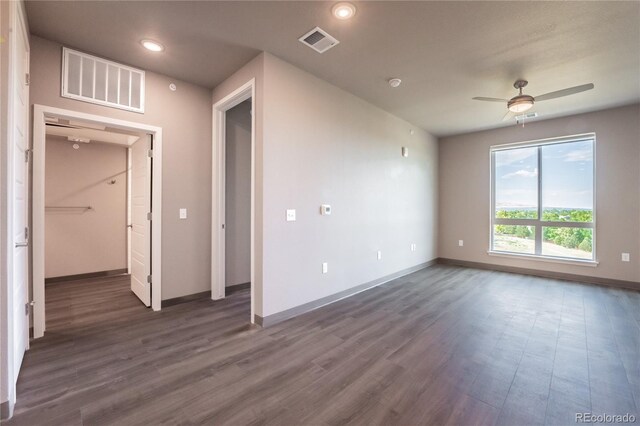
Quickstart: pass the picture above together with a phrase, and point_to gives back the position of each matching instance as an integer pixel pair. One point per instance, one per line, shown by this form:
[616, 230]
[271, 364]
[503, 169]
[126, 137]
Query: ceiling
[444, 52]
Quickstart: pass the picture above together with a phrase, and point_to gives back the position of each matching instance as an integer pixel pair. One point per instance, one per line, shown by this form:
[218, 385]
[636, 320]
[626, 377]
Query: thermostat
[325, 209]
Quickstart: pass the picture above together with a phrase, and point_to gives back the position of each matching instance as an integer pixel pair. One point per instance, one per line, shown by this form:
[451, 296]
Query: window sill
[591, 263]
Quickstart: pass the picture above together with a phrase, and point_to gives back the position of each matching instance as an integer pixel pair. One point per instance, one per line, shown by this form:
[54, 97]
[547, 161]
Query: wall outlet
[183, 213]
[413, 247]
[460, 243]
[379, 255]
[325, 210]
[291, 215]
[625, 257]
[405, 151]
[325, 267]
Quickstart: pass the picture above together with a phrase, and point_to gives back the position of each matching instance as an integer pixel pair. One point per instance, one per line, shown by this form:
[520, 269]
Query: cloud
[579, 155]
[522, 173]
[510, 156]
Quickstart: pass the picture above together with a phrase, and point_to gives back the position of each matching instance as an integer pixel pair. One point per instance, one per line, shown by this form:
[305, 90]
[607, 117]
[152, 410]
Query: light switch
[325, 209]
[183, 213]
[379, 255]
[625, 257]
[460, 243]
[325, 267]
[405, 151]
[291, 215]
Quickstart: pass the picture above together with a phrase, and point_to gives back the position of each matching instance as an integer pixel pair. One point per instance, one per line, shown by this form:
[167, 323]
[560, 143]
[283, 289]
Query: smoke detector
[319, 40]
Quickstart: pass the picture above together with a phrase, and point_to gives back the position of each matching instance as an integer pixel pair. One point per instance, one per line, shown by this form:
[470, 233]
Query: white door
[20, 190]
[141, 163]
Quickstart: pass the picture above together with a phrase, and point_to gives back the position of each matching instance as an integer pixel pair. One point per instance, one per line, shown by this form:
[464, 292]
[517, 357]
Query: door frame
[218, 176]
[38, 210]
[16, 17]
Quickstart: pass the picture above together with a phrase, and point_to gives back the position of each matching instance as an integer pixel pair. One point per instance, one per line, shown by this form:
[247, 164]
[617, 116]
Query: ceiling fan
[521, 102]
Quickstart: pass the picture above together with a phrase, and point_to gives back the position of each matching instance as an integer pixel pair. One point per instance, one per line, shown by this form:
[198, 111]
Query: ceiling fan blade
[508, 116]
[564, 92]
[480, 98]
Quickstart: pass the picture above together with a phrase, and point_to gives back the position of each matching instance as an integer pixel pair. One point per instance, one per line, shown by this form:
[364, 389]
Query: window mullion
[538, 229]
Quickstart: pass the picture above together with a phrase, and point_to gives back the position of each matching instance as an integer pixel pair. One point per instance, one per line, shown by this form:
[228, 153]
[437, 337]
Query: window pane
[516, 183]
[567, 242]
[567, 182]
[514, 238]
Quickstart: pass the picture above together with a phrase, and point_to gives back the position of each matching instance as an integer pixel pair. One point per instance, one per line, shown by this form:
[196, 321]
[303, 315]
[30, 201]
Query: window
[542, 198]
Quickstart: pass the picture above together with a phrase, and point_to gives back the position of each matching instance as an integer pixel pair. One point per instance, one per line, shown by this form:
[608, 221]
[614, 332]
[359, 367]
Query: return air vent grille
[99, 81]
[319, 40]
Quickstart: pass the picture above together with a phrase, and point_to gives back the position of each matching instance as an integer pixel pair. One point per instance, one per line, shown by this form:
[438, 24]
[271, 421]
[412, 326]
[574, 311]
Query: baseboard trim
[609, 282]
[236, 287]
[98, 274]
[6, 410]
[183, 299]
[276, 318]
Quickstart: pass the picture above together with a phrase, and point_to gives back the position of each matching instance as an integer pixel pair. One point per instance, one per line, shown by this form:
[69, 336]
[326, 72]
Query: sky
[567, 176]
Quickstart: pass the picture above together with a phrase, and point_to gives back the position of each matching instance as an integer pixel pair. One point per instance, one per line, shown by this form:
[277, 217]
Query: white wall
[238, 195]
[317, 144]
[77, 241]
[464, 191]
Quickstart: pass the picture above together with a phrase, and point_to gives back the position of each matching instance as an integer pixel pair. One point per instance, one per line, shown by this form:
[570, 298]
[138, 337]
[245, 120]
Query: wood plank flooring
[445, 345]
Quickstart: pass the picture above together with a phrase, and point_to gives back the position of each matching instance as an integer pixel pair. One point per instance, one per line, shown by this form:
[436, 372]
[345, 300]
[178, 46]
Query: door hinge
[149, 279]
[27, 79]
[27, 153]
[150, 153]
[26, 233]
[149, 216]
[28, 307]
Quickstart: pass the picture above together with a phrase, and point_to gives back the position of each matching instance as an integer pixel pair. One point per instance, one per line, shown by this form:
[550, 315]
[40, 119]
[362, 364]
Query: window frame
[539, 223]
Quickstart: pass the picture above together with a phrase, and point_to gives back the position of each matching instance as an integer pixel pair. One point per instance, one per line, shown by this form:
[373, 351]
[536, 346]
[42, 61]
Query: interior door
[20, 190]
[140, 221]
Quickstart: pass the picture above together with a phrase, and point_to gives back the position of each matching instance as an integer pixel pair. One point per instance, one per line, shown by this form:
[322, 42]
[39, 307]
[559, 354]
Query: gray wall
[238, 195]
[464, 191]
[76, 241]
[322, 145]
[185, 118]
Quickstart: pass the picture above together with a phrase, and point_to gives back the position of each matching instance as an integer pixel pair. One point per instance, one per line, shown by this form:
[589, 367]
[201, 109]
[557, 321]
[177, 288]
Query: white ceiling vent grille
[319, 40]
[96, 80]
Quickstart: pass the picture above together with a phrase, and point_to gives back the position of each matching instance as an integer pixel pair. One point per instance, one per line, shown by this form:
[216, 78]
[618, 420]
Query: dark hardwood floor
[445, 345]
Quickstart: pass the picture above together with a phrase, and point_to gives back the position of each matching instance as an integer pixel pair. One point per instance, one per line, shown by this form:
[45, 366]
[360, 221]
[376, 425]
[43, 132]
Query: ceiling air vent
[99, 81]
[319, 40]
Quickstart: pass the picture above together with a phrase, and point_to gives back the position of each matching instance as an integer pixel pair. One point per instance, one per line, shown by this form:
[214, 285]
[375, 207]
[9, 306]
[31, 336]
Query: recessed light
[151, 45]
[394, 82]
[343, 10]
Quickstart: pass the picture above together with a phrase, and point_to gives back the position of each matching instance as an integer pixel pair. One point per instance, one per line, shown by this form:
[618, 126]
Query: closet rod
[70, 207]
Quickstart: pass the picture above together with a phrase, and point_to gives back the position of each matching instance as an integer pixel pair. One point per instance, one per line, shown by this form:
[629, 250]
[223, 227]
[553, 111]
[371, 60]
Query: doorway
[237, 224]
[141, 146]
[233, 185]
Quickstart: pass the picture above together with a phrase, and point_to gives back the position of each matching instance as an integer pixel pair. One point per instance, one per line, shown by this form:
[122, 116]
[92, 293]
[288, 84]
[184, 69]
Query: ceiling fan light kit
[522, 102]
